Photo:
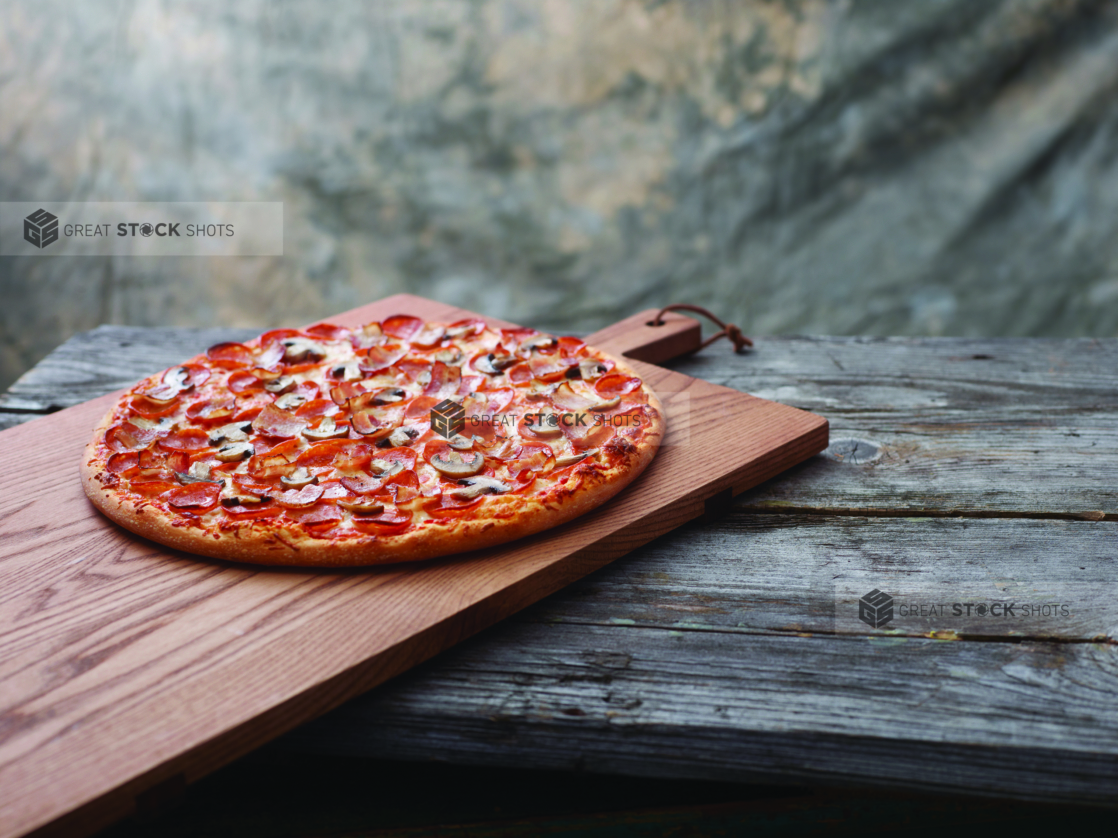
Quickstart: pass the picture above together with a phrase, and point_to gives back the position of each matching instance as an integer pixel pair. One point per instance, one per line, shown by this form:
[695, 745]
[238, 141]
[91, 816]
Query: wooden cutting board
[128, 670]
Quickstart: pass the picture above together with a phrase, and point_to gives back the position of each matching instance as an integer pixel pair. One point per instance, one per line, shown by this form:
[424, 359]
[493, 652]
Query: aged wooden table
[960, 470]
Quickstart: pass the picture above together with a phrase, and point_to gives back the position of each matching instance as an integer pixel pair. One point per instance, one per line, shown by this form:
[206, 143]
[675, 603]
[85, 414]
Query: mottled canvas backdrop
[876, 167]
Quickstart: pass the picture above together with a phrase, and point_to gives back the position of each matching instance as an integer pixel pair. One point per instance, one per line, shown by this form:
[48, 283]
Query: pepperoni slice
[317, 407]
[402, 326]
[230, 355]
[186, 439]
[533, 456]
[276, 335]
[403, 486]
[448, 506]
[122, 461]
[388, 522]
[151, 407]
[323, 453]
[570, 346]
[254, 486]
[153, 488]
[196, 497]
[328, 331]
[243, 381]
[362, 484]
[278, 423]
[355, 456]
[196, 375]
[519, 373]
[420, 407]
[403, 456]
[616, 384]
[500, 399]
[470, 383]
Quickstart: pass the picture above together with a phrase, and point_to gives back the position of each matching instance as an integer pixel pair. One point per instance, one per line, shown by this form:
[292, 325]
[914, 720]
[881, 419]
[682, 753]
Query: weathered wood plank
[954, 425]
[1031, 720]
[791, 574]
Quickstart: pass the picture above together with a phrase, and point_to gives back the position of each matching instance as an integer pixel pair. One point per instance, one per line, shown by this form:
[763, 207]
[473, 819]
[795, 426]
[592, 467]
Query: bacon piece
[196, 497]
[300, 498]
[333, 489]
[377, 358]
[253, 485]
[403, 486]
[444, 381]
[447, 505]
[186, 439]
[128, 436]
[549, 367]
[230, 355]
[269, 358]
[346, 391]
[354, 457]
[278, 423]
[470, 383]
[467, 328]
[534, 456]
[499, 400]
[420, 407]
[402, 326]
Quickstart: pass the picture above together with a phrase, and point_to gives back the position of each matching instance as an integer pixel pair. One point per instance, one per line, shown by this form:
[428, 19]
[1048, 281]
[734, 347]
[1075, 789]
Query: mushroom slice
[198, 473]
[346, 372]
[280, 385]
[540, 389]
[389, 395]
[493, 364]
[572, 459]
[366, 505]
[460, 443]
[546, 423]
[384, 469]
[176, 378]
[235, 452]
[233, 432]
[298, 478]
[300, 350]
[590, 369]
[475, 486]
[289, 401]
[449, 356]
[327, 429]
[455, 464]
[568, 398]
[537, 342]
[398, 438]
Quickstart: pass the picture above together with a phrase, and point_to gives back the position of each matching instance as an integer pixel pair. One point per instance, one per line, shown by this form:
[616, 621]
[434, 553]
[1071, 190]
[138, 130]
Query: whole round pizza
[396, 441]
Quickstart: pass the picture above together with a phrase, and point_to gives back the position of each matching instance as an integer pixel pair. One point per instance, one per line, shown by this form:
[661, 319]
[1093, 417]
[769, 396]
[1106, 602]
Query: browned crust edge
[264, 543]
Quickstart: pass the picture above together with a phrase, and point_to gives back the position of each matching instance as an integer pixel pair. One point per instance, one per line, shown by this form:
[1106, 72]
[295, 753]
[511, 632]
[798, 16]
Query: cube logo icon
[448, 418]
[40, 228]
[875, 609]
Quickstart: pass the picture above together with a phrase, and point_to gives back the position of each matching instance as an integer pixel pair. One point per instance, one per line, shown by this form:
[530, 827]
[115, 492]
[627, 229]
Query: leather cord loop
[729, 330]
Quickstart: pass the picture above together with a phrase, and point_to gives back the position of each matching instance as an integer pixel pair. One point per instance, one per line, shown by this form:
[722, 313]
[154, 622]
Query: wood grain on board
[124, 665]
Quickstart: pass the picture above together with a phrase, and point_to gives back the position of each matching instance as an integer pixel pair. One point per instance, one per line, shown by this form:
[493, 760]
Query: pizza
[395, 441]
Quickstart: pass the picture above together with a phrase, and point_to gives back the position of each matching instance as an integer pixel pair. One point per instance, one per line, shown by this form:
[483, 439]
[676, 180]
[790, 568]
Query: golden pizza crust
[268, 541]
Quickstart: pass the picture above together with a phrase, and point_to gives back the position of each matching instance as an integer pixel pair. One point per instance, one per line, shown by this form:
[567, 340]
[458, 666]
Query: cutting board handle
[635, 337]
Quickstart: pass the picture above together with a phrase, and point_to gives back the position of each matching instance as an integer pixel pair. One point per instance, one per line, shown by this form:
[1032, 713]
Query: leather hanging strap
[729, 330]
